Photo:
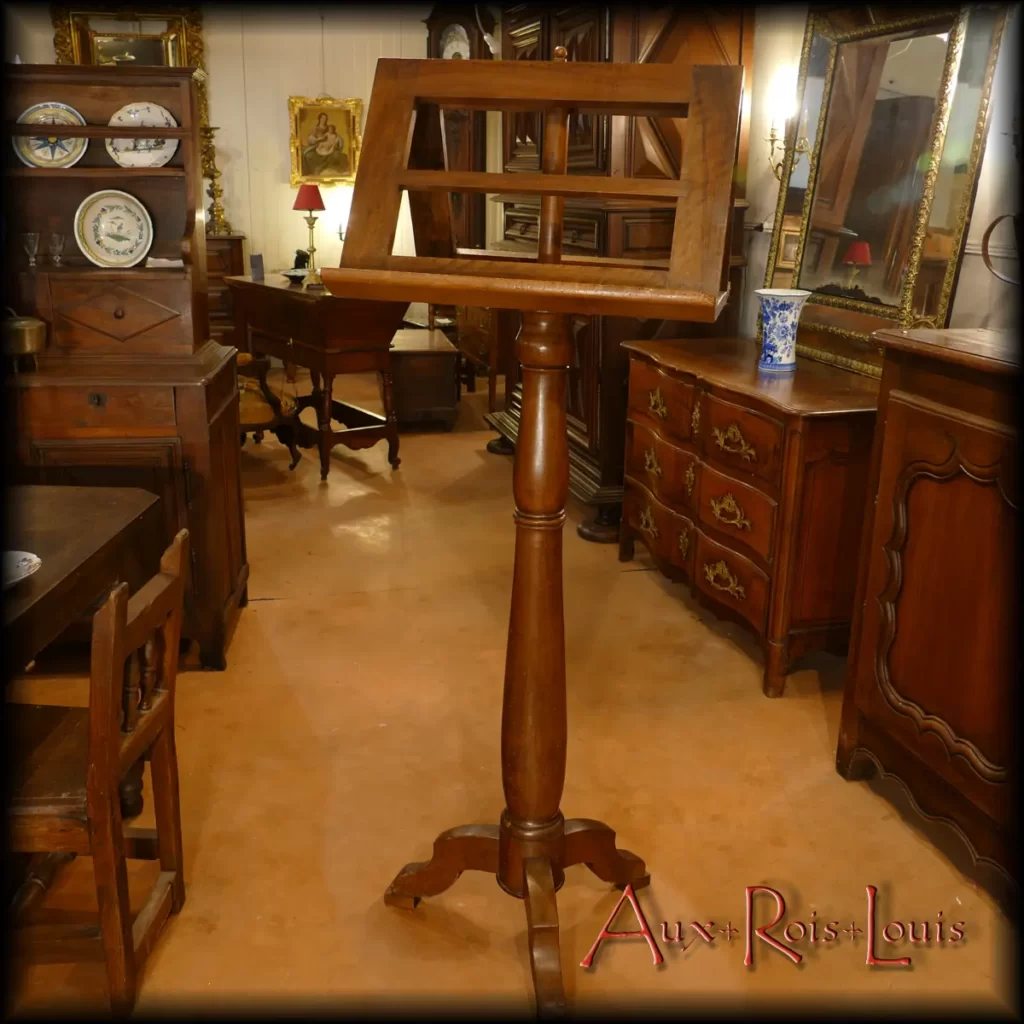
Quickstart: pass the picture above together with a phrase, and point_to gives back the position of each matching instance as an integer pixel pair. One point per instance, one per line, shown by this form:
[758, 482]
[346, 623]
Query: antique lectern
[533, 844]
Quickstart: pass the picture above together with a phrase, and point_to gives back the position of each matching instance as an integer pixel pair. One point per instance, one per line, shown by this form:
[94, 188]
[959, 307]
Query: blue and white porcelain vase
[780, 313]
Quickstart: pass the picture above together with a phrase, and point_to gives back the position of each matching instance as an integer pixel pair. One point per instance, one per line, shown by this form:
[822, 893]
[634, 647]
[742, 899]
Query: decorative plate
[48, 150]
[113, 229]
[295, 275]
[142, 152]
[19, 565]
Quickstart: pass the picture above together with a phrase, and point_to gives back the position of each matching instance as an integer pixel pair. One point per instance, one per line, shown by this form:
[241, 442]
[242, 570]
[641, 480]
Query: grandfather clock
[456, 32]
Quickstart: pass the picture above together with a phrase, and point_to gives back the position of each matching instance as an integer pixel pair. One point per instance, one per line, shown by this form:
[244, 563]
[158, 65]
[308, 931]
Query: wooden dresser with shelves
[225, 257]
[131, 390]
[750, 487]
[935, 650]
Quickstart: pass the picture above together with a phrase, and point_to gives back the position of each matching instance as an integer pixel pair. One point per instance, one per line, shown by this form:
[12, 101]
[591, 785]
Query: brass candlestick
[216, 222]
[313, 277]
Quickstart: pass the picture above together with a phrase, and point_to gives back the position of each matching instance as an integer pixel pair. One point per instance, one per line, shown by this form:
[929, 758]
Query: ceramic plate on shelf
[295, 275]
[19, 565]
[142, 152]
[49, 150]
[113, 229]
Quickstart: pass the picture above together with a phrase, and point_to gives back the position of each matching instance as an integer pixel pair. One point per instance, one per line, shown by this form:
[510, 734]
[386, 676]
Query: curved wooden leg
[286, 435]
[324, 423]
[388, 398]
[542, 922]
[130, 791]
[466, 848]
[593, 843]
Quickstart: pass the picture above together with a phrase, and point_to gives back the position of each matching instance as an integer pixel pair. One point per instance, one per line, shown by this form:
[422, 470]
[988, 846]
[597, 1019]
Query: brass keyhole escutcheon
[684, 543]
[651, 462]
[656, 403]
[690, 479]
[647, 522]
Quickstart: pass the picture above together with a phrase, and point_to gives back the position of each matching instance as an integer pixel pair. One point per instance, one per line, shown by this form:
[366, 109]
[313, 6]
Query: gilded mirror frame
[837, 329]
[189, 27]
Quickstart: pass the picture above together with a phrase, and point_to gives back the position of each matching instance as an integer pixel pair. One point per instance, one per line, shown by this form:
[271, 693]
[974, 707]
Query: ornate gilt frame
[354, 107]
[866, 317]
[193, 49]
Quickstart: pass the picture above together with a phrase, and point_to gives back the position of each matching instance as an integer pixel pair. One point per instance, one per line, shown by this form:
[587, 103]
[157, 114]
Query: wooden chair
[66, 768]
[262, 408]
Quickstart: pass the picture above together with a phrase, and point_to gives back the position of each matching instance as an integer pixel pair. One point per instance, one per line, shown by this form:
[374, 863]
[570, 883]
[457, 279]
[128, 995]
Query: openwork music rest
[533, 844]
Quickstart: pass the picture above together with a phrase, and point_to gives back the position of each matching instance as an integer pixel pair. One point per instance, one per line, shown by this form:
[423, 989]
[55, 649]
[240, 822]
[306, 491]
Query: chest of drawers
[750, 487]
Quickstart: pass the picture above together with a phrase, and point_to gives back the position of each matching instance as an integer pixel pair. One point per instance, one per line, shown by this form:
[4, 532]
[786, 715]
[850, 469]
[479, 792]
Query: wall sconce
[782, 104]
[345, 208]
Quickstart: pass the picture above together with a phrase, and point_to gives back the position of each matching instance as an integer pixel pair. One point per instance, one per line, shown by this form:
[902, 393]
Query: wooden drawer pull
[97, 399]
[719, 576]
[651, 462]
[647, 522]
[119, 313]
[657, 403]
[726, 510]
[731, 440]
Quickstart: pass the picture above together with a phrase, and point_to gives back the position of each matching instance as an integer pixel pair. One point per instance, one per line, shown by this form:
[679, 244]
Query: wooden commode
[751, 487]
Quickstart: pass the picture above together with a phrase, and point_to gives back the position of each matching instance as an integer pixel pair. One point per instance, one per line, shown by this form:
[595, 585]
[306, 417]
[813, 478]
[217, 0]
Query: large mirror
[880, 170]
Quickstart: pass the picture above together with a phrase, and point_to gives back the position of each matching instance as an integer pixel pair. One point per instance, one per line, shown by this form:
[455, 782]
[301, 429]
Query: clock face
[455, 43]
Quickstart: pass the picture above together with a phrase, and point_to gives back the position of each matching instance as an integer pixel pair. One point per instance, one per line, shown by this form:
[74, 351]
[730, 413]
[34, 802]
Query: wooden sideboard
[750, 487]
[648, 147]
[933, 667]
[225, 257]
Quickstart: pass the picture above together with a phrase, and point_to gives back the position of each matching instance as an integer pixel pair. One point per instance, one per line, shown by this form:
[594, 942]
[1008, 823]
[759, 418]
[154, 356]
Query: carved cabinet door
[937, 662]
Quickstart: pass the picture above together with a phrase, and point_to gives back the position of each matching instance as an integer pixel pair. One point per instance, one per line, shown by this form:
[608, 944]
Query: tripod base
[499, 851]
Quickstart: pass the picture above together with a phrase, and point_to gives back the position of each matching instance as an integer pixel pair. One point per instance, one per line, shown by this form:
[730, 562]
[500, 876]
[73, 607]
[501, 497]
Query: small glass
[31, 240]
[56, 248]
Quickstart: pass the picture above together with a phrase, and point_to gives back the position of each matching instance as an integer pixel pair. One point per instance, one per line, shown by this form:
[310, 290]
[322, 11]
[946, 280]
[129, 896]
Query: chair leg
[166, 807]
[111, 874]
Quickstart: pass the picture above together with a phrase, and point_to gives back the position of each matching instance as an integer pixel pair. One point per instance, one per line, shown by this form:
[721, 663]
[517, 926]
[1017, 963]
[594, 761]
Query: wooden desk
[328, 336]
[88, 539]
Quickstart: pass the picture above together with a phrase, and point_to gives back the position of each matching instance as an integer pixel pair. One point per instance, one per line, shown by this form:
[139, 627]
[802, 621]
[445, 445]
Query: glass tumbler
[56, 248]
[31, 241]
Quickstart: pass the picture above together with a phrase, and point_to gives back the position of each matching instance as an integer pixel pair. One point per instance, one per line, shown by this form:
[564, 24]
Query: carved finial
[561, 53]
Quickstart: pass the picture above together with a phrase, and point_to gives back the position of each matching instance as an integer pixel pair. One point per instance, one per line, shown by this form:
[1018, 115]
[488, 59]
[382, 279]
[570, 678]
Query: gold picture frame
[325, 140]
[789, 243]
[134, 47]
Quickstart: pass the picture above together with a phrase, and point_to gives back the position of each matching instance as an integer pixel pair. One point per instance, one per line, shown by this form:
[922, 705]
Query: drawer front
[647, 236]
[740, 438]
[220, 258]
[660, 401]
[667, 534]
[670, 473]
[64, 411]
[580, 233]
[739, 511]
[731, 580]
[105, 316]
[219, 302]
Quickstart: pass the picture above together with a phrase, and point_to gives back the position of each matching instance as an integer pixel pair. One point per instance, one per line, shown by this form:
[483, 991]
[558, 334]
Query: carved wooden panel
[522, 38]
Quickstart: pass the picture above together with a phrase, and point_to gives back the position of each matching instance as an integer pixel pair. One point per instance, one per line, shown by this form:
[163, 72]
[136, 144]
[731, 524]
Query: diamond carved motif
[118, 313]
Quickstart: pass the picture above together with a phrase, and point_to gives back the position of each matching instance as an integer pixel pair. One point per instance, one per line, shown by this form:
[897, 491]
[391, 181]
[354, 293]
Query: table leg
[324, 422]
[130, 791]
[388, 398]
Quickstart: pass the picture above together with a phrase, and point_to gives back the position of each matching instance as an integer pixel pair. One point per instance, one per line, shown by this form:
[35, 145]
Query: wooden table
[88, 539]
[328, 336]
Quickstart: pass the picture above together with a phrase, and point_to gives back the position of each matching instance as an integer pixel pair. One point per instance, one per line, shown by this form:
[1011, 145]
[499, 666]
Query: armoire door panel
[946, 485]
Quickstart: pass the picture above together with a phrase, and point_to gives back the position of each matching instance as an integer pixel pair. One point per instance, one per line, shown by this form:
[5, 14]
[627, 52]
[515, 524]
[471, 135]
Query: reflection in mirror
[951, 199]
[872, 165]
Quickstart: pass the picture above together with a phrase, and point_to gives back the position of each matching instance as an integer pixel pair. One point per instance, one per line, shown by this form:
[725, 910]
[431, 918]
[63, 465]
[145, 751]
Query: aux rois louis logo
[786, 938]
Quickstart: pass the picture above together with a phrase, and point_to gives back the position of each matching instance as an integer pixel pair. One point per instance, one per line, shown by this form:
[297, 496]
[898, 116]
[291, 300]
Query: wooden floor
[360, 712]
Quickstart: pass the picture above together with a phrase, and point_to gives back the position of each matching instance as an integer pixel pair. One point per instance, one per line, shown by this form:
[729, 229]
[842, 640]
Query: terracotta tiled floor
[359, 716]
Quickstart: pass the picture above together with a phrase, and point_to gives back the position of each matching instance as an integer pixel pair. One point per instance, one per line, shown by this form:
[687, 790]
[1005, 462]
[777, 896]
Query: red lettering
[956, 932]
[795, 938]
[924, 932]
[814, 927]
[830, 931]
[762, 933]
[644, 932]
[939, 936]
[871, 960]
[705, 932]
[887, 936]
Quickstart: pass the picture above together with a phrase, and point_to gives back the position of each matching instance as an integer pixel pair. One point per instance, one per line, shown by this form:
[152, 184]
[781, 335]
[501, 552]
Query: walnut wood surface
[938, 561]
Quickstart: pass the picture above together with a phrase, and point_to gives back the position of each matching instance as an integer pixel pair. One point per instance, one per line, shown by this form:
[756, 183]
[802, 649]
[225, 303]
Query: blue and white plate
[19, 565]
[142, 152]
[50, 150]
[113, 229]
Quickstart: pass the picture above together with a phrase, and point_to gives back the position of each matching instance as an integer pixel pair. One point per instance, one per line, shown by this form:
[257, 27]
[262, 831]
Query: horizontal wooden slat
[530, 256]
[569, 274]
[649, 90]
[569, 185]
[96, 131]
[58, 943]
[152, 916]
[517, 292]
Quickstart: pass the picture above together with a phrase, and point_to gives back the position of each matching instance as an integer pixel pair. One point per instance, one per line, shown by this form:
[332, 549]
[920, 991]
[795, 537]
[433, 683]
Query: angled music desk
[327, 336]
[529, 850]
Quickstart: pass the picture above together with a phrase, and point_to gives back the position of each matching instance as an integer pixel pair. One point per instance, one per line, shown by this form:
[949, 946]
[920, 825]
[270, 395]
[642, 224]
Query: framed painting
[135, 48]
[790, 239]
[325, 139]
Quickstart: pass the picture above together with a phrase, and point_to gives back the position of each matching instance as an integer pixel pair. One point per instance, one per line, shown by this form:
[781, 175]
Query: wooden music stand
[533, 845]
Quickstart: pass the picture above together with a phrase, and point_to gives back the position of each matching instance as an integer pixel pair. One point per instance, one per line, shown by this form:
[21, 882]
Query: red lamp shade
[858, 255]
[309, 198]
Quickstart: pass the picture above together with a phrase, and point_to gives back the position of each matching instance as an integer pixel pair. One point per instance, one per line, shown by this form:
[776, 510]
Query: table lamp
[309, 199]
[857, 256]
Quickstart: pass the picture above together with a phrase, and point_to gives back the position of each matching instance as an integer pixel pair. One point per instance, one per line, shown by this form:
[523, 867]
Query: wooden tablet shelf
[533, 844]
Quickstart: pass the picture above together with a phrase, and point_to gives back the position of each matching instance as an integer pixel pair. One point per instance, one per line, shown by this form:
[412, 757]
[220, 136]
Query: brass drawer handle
[690, 479]
[684, 543]
[719, 576]
[647, 522]
[651, 462]
[732, 441]
[727, 511]
[656, 403]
